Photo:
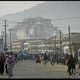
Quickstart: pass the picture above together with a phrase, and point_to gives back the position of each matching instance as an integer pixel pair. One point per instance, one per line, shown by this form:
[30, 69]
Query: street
[29, 69]
[28, 34]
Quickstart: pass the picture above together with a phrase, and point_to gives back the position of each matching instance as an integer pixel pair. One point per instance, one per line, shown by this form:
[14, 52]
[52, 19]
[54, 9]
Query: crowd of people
[62, 58]
[9, 59]
[52, 58]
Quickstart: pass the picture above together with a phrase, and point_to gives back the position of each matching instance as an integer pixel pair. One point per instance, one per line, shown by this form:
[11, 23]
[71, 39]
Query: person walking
[52, 60]
[38, 59]
[2, 60]
[71, 65]
[10, 65]
[45, 58]
[6, 58]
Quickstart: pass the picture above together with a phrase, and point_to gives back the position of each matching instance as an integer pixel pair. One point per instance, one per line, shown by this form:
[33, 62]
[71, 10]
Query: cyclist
[71, 65]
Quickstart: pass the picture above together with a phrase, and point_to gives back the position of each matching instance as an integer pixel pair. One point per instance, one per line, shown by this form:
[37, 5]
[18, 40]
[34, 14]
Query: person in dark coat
[6, 57]
[38, 59]
[71, 64]
[45, 58]
[10, 65]
[2, 61]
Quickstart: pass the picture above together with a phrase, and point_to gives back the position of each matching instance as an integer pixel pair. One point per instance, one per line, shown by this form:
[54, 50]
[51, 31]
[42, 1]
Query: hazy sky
[7, 7]
[10, 7]
[61, 9]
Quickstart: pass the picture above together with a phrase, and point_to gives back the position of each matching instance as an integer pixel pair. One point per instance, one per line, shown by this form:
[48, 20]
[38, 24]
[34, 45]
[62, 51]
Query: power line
[52, 20]
[71, 27]
[66, 24]
[67, 18]
[10, 20]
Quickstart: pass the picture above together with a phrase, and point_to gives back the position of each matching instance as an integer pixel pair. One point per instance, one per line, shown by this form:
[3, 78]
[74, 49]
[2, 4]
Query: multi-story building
[38, 45]
[34, 28]
[16, 46]
[33, 45]
[74, 40]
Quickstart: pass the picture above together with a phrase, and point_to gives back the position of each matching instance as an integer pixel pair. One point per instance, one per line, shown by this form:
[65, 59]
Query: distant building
[35, 28]
[16, 46]
[40, 45]
[75, 42]
[32, 45]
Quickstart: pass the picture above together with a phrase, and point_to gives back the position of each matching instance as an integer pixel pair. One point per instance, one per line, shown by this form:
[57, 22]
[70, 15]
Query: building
[16, 46]
[34, 28]
[27, 44]
[40, 45]
[74, 40]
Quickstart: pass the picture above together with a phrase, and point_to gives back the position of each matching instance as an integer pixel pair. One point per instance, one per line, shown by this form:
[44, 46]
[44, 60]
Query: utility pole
[60, 40]
[55, 41]
[10, 39]
[5, 47]
[69, 40]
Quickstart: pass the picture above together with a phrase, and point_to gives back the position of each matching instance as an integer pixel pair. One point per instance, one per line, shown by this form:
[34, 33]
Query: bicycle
[72, 73]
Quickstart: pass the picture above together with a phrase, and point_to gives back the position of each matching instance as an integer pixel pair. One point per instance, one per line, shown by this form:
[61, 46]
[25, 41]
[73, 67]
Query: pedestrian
[79, 69]
[38, 59]
[52, 60]
[71, 65]
[10, 65]
[2, 60]
[6, 58]
[45, 58]
[16, 57]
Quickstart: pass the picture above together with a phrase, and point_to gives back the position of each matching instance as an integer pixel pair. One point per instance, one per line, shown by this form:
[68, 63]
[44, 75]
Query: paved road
[29, 69]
